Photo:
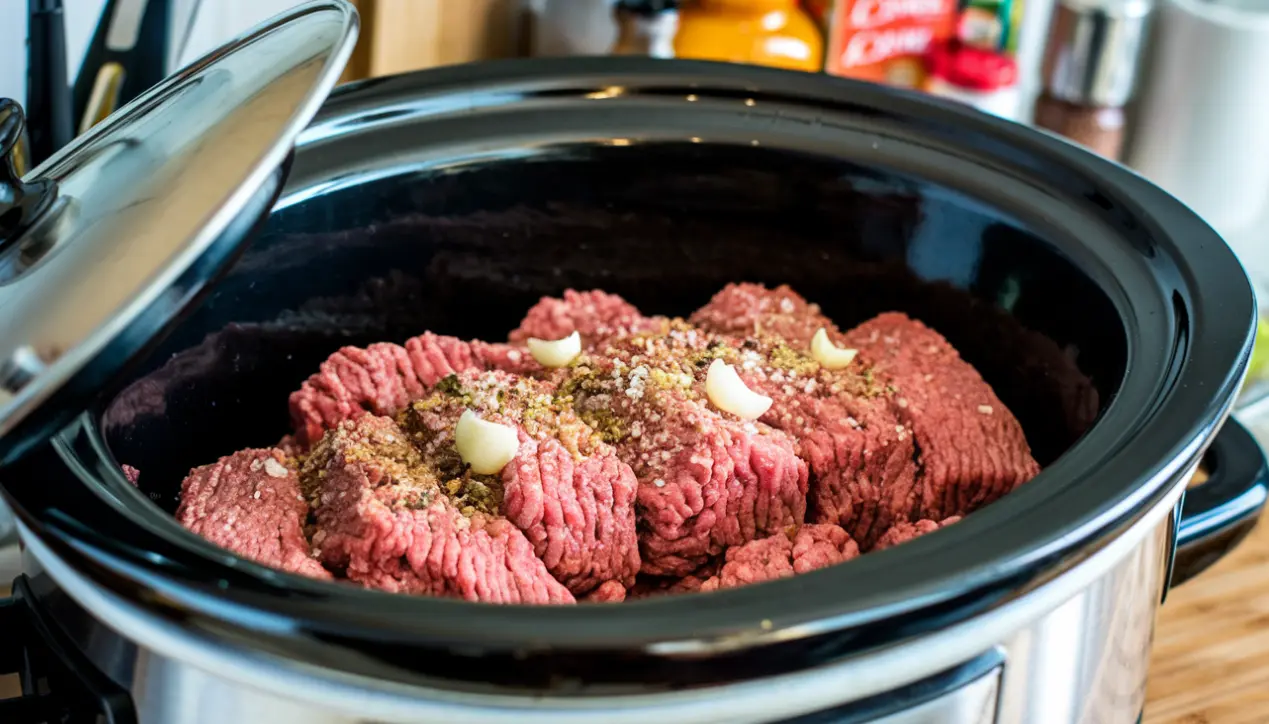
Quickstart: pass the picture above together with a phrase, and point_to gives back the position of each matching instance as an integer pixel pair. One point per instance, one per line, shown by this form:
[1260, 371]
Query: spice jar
[1090, 71]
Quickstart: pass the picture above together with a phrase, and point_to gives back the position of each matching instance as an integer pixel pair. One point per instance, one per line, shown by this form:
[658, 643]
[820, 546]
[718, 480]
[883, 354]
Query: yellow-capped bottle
[777, 33]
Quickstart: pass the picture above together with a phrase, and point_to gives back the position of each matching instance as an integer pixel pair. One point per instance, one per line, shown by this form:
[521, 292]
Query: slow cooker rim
[302, 674]
[1203, 409]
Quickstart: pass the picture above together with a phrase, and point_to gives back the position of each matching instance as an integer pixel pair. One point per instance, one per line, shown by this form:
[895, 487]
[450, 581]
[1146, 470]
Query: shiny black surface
[452, 199]
[1220, 512]
[59, 683]
[48, 93]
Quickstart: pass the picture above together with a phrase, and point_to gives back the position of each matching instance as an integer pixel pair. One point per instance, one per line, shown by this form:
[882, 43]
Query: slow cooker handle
[58, 682]
[1217, 514]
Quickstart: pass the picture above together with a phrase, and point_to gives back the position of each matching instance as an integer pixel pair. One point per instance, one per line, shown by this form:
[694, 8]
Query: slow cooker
[172, 275]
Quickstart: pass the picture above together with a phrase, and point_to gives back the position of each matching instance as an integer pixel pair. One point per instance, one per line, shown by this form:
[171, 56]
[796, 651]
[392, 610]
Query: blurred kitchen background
[1171, 88]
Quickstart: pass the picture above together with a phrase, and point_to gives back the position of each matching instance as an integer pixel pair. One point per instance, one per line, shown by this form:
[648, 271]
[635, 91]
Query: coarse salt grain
[659, 483]
[274, 468]
[985, 409]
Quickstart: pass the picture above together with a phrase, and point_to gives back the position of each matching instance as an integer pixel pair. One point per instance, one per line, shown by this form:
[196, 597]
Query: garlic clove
[485, 446]
[556, 353]
[829, 355]
[730, 394]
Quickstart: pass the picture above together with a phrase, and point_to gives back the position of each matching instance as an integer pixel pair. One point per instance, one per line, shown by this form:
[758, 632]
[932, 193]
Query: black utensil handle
[59, 684]
[1220, 512]
[48, 100]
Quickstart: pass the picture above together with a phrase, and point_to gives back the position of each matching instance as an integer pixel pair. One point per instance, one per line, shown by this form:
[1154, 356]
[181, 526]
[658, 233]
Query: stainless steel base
[1073, 651]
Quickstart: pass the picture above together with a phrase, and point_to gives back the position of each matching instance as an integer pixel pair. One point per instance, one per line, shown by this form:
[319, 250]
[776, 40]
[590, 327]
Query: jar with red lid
[984, 78]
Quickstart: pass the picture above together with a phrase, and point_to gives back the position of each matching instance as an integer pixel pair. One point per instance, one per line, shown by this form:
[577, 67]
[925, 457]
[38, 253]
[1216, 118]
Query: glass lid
[95, 236]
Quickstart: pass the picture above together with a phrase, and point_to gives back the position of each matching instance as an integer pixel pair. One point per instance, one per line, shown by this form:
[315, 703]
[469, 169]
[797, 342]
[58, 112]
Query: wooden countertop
[1211, 649]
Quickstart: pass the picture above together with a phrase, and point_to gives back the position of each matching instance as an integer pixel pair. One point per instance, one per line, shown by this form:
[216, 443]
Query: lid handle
[20, 203]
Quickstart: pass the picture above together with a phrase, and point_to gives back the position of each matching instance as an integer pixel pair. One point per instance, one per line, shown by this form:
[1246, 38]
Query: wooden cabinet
[403, 35]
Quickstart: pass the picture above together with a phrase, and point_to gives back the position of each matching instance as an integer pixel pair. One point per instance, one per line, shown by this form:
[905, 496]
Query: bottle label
[885, 41]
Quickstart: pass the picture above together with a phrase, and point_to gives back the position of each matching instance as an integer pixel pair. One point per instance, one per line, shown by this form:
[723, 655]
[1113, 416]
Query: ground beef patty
[565, 488]
[383, 378]
[969, 447]
[250, 503]
[860, 454]
[707, 480]
[972, 449]
[746, 309]
[384, 517]
[610, 592]
[596, 316]
[808, 548]
[904, 532]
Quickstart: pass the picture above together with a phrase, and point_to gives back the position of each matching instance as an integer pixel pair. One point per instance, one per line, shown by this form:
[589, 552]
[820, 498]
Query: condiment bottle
[646, 27]
[885, 41]
[777, 33]
[1090, 70]
[983, 78]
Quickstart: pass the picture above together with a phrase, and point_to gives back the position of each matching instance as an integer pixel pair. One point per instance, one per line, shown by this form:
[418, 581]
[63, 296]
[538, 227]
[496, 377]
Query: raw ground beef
[383, 378]
[972, 448]
[859, 452]
[250, 503]
[969, 448]
[747, 309]
[132, 474]
[596, 316]
[904, 532]
[707, 480]
[609, 592]
[780, 556]
[628, 481]
[384, 517]
[565, 488]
